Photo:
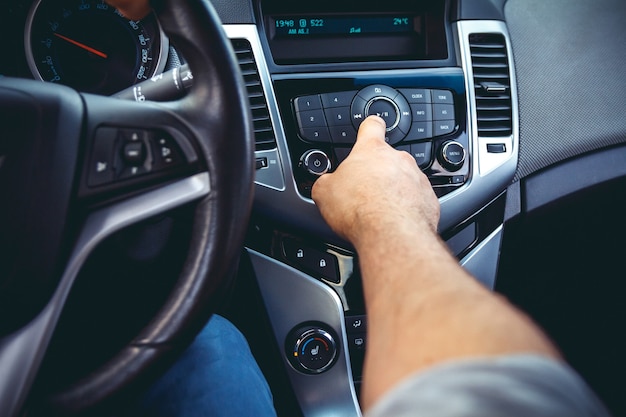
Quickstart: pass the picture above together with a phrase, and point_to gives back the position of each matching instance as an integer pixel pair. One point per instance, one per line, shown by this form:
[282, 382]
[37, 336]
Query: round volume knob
[311, 350]
[316, 162]
[452, 156]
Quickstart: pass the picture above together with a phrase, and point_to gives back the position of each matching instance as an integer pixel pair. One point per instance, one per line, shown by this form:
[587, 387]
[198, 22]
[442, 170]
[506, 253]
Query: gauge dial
[90, 46]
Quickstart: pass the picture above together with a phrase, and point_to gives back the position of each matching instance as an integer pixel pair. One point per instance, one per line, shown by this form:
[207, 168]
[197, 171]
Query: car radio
[425, 116]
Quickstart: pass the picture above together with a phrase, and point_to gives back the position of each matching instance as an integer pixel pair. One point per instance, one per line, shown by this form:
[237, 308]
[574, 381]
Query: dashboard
[492, 98]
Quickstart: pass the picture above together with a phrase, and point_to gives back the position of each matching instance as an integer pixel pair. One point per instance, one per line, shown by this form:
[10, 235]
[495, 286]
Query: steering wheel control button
[102, 157]
[134, 153]
[167, 153]
[452, 156]
[444, 127]
[312, 350]
[385, 109]
[315, 162]
[305, 103]
[319, 263]
[443, 112]
[341, 99]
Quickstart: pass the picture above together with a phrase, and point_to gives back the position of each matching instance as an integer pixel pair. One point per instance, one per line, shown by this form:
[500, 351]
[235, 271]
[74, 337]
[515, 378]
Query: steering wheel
[94, 165]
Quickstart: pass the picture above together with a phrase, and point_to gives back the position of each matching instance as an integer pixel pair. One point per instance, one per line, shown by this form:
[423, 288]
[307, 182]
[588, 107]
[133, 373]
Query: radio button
[444, 127]
[395, 136]
[442, 97]
[420, 130]
[305, 103]
[315, 134]
[422, 112]
[421, 152]
[311, 118]
[377, 90]
[416, 95]
[339, 116]
[443, 112]
[357, 111]
[343, 135]
[315, 162]
[385, 109]
[342, 99]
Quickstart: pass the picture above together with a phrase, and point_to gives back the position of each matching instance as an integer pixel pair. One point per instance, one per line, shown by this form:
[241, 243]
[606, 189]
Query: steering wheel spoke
[131, 147]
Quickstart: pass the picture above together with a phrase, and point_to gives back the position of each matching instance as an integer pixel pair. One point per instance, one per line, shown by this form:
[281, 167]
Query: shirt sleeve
[511, 386]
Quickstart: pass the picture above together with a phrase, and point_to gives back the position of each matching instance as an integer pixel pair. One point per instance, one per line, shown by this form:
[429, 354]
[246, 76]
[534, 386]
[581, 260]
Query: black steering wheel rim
[215, 117]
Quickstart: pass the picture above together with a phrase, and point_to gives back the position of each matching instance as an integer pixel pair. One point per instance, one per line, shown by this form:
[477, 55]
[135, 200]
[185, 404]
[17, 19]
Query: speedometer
[90, 46]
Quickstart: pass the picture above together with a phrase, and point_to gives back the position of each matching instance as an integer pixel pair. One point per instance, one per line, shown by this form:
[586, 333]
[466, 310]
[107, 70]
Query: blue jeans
[215, 376]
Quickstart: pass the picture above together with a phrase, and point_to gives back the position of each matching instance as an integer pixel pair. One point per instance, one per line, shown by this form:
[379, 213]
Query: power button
[316, 162]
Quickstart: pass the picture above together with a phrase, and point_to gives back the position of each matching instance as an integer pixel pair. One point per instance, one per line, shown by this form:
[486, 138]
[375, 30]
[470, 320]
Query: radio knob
[315, 162]
[452, 156]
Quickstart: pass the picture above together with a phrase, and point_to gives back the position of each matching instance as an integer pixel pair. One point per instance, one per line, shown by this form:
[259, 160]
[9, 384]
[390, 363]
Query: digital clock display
[298, 26]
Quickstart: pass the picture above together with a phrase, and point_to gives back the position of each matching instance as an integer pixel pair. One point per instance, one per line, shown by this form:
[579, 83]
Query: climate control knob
[311, 349]
[452, 156]
[316, 162]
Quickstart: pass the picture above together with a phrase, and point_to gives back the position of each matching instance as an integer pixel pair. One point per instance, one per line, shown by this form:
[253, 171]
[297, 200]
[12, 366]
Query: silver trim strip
[482, 262]
[250, 33]
[330, 393]
[21, 353]
[486, 162]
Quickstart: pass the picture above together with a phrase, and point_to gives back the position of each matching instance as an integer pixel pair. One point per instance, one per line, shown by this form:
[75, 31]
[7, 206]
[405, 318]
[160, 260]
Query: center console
[315, 71]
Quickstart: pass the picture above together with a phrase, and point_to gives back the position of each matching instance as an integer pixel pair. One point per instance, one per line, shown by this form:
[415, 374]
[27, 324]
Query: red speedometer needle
[82, 45]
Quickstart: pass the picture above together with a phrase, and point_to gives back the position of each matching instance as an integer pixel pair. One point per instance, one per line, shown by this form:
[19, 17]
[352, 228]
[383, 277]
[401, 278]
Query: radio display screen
[304, 26]
[336, 31]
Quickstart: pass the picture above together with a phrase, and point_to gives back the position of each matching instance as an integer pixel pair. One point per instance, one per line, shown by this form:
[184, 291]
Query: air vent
[263, 130]
[492, 84]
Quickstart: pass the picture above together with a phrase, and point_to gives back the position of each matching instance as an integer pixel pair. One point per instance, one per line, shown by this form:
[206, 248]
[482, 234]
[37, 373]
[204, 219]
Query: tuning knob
[315, 162]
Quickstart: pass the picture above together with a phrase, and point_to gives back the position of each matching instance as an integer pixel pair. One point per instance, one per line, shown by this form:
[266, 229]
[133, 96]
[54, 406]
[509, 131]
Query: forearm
[424, 309]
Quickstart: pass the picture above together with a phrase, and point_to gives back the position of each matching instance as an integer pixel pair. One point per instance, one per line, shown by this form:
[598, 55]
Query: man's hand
[376, 189]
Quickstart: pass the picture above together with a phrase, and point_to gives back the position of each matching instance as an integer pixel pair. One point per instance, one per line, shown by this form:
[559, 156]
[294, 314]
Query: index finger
[372, 131]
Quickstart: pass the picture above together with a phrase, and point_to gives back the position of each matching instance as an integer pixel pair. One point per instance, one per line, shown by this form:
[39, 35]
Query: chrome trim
[330, 393]
[272, 175]
[482, 262]
[485, 162]
[250, 33]
[21, 352]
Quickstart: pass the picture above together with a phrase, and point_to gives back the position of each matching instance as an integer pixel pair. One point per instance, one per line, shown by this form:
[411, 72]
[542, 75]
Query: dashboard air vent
[492, 84]
[263, 130]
